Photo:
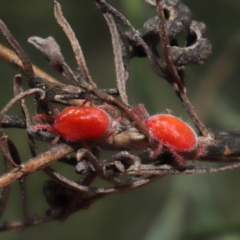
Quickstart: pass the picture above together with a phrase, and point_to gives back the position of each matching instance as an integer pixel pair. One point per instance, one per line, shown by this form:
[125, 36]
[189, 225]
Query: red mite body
[172, 132]
[169, 131]
[82, 123]
[78, 123]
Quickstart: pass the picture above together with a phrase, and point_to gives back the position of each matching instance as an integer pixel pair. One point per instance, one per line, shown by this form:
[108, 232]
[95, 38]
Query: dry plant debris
[131, 166]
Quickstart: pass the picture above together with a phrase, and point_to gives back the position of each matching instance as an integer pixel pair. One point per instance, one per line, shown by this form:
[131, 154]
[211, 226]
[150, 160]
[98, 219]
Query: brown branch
[124, 171]
[35, 221]
[11, 58]
[19, 51]
[73, 206]
[174, 78]
[90, 86]
[71, 35]
[5, 190]
[86, 189]
[3, 144]
[119, 51]
[168, 170]
[34, 164]
[19, 97]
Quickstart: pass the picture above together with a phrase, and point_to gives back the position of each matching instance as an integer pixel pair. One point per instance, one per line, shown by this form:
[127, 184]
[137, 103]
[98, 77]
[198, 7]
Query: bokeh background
[176, 207]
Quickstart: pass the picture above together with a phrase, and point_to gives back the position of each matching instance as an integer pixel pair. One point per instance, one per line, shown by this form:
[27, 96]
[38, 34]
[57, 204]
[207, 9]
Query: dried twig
[35, 221]
[10, 57]
[124, 171]
[35, 164]
[174, 77]
[90, 86]
[19, 51]
[120, 55]
[20, 96]
[71, 35]
[6, 190]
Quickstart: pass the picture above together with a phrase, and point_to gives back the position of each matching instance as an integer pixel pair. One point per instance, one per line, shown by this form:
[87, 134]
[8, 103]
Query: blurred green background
[176, 207]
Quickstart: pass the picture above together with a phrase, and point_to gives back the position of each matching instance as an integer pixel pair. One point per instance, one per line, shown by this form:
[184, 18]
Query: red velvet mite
[169, 131]
[173, 132]
[78, 123]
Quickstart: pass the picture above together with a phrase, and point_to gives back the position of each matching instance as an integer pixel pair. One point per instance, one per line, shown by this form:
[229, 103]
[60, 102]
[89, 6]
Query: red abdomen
[80, 123]
[173, 132]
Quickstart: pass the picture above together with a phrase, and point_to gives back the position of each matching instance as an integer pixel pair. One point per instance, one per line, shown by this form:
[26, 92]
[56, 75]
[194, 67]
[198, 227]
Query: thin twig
[156, 64]
[177, 83]
[119, 50]
[22, 181]
[11, 58]
[156, 170]
[17, 89]
[97, 167]
[19, 51]
[34, 221]
[34, 164]
[86, 189]
[71, 35]
[73, 206]
[18, 98]
[6, 190]
[175, 79]
[90, 85]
